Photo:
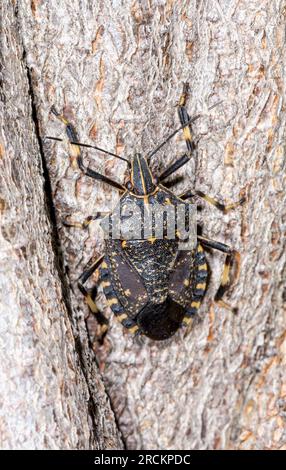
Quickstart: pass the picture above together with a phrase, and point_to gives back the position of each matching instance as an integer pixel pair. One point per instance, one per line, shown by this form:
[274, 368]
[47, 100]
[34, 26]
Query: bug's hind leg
[86, 222]
[90, 296]
[232, 258]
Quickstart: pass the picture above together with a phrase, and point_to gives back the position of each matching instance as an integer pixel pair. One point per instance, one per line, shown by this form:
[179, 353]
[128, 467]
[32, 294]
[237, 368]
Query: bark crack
[58, 253]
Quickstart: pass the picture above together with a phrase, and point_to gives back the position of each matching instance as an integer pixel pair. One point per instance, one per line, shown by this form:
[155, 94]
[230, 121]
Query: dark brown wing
[126, 283]
[182, 277]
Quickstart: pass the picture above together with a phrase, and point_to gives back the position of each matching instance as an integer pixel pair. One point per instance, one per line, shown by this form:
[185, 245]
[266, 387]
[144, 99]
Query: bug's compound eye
[129, 185]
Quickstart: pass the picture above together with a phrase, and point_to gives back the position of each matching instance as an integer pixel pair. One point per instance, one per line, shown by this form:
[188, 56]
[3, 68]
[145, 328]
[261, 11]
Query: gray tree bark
[116, 70]
[51, 393]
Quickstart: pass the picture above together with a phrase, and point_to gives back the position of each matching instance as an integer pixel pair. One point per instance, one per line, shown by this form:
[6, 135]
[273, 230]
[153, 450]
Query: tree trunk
[51, 393]
[116, 70]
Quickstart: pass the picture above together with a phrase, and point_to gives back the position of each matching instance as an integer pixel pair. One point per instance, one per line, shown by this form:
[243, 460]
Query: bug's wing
[127, 284]
[182, 277]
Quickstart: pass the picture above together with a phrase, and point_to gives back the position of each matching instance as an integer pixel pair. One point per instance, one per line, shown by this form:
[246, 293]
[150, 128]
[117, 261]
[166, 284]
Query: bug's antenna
[80, 144]
[177, 130]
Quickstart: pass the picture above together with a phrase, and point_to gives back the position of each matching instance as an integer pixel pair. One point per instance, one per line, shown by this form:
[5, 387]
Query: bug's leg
[173, 167]
[90, 295]
[232, 257]
[222, 207]
[77, 156]
[86, 222]
[184, 118]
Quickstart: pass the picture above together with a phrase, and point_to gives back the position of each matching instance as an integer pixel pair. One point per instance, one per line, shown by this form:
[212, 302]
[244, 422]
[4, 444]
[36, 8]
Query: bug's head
[141, 181]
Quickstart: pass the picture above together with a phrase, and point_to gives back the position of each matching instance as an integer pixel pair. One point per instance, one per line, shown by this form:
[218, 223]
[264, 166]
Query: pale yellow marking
[75, 224]
[91, 304]
[127, 292]
[105, 283]
[209, 199]
[195, 304]
[200, 249]
[187, 133]
[167, 201]
[182, 100]
[74, 150]
[229, 207]
[104, 265]
[111, 302]
[186, 282]
[74, 163]
[152, 240]
[187, 320]
[64, 120]
[224, 304]
[238, 265]
[104, 328]
[146, 200]
[203, 267]
[133, 329]
[201, 286]
[225, 275]
[142, 179]
[124, 243]
[122, 317]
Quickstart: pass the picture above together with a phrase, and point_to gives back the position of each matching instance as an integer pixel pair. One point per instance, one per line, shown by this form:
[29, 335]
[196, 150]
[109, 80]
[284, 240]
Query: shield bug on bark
[152, 286]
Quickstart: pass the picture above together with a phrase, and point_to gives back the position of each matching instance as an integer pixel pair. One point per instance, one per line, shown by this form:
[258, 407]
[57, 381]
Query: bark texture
[116, 70]
[51, 394]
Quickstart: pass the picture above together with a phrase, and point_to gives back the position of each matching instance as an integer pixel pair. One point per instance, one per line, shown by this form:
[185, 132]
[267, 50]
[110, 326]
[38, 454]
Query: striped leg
[184, 118]
[90, 296]
[222, 207]
[232, 257]
[86, 222]
[77, 156]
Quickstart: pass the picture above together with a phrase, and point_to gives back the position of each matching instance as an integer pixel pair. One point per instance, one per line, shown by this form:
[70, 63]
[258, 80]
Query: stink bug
[152, 286]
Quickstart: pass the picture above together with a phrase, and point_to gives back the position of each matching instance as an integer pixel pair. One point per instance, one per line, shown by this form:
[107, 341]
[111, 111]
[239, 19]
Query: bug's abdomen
[160, 321]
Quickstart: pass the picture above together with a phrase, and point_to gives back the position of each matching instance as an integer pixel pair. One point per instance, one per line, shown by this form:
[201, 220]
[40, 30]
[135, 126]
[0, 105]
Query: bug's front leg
[77, 156]
[90, 296]
[222, 207]
[184, 118]
[187, 133]
[232, 257]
